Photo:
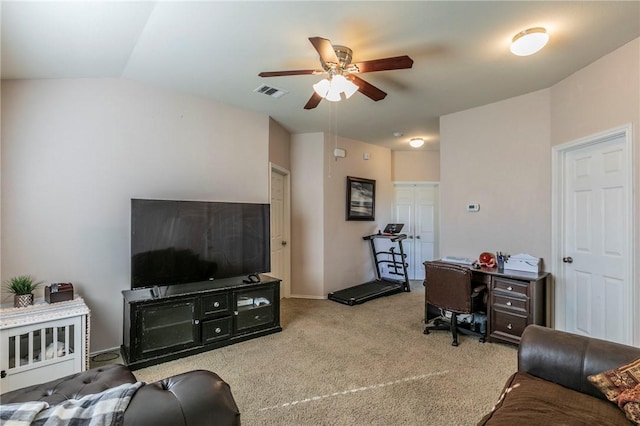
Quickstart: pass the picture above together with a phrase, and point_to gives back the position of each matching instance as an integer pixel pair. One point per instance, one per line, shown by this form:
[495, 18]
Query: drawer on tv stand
[214, 330]
[214, 304]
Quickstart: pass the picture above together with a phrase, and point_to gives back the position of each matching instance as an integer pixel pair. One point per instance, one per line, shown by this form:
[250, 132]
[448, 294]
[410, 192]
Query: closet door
[416, 205]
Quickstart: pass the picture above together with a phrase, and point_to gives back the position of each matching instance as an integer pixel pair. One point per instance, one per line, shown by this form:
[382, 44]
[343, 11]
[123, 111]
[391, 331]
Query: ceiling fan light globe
[339, 85]
[529, 41]
[322, 87]
[333, 94]
[339, 82]
[350, 89]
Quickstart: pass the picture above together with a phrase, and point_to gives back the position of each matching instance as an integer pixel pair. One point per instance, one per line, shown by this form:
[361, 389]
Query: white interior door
[594, 280]
[403, 211]
[426, 202]
[416, 205]
[280, 254]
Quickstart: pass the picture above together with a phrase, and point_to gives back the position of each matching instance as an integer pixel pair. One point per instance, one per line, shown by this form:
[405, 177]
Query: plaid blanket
[100, 409]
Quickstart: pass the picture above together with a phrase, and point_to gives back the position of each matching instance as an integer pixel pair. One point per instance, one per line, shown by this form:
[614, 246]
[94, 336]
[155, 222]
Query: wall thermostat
[473, 207]
[339, 153]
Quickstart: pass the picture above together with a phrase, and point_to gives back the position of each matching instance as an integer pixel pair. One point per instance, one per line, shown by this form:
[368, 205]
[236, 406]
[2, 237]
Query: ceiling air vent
[274, 92]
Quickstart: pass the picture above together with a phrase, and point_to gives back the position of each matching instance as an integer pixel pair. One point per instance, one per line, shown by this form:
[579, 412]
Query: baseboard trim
[104, 351]
[307, 296]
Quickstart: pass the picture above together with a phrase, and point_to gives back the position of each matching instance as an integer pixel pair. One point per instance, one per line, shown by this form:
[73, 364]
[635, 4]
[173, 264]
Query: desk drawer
[512, 287]
[506, 302]
[508, 323]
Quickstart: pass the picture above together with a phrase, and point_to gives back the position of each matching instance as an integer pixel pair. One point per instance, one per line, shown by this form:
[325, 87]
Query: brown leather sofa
[195, 398]
[551, 385]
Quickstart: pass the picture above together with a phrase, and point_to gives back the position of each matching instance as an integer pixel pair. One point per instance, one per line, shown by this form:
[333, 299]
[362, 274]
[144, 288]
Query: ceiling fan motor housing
[344, 55]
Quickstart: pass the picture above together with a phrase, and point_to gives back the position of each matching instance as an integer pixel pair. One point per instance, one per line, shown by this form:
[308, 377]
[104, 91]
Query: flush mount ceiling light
[529, 41]
[416, 142]
[331, 88]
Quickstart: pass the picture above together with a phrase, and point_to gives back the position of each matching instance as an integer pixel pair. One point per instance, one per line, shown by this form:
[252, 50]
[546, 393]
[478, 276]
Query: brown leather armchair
[450, 287]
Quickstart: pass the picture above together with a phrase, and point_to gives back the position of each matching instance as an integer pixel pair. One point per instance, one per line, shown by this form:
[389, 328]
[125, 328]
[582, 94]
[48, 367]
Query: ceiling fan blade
[313, 101]
[395, 63]
[367, 89]
[325, 49]
[292, 72]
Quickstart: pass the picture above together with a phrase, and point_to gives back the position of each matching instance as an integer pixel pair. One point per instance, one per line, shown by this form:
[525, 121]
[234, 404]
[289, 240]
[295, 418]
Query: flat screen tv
[174, 242]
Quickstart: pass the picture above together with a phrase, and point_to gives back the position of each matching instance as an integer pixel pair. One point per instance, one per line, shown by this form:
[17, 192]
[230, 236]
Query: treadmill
[393, 257]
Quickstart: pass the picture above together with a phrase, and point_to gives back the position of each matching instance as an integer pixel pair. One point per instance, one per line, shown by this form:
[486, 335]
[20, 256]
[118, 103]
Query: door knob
[567, 259]
[284, 243]
[418, 237]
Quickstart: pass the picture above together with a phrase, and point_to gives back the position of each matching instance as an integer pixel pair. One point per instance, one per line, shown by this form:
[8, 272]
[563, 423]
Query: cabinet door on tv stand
[166, 327]
[256, 308]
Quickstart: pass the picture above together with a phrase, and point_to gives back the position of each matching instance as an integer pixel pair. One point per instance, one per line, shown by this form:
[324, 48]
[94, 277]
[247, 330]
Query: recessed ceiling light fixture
[529, 41]
[416, 142]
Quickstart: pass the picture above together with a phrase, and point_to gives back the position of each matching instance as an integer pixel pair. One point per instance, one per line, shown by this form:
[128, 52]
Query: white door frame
[286, 174]
[558, 226]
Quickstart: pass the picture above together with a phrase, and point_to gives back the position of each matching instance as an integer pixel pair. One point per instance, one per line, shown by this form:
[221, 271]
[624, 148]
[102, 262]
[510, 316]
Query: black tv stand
[163, 323]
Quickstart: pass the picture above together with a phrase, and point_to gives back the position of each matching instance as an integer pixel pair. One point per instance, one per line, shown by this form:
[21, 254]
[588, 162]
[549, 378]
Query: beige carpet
[367, 364]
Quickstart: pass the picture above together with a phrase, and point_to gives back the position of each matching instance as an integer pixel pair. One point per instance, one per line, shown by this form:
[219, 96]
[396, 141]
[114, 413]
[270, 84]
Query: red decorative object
[487, 259]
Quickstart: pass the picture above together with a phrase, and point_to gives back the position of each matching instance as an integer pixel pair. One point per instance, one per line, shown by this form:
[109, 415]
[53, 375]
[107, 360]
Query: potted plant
[22, 287]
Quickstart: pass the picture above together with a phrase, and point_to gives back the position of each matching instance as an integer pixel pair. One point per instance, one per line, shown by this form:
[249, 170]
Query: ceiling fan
[336, 61]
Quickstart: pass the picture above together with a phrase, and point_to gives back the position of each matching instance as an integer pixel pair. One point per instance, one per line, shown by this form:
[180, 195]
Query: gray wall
[498, 156]
[74, 152]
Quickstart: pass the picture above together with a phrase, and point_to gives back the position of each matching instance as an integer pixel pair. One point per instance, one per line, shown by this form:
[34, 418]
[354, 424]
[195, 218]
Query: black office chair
[450, 287]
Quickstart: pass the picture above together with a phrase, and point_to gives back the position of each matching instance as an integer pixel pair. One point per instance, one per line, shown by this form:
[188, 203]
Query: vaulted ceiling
[216, 49]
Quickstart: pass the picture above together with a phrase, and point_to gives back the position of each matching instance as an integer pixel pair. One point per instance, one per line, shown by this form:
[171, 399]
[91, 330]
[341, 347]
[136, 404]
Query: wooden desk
[516, 299]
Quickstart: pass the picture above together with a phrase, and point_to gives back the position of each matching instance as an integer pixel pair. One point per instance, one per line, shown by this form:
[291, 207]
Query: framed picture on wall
[361, 198]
